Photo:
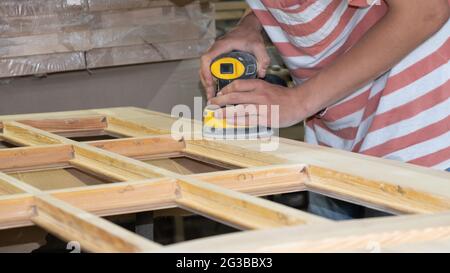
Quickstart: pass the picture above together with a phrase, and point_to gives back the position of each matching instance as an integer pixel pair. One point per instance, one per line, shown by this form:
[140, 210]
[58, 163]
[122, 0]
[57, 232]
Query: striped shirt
[403, 115]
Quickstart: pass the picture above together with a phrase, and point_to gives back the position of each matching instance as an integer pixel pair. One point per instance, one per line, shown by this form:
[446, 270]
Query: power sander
[234, 65]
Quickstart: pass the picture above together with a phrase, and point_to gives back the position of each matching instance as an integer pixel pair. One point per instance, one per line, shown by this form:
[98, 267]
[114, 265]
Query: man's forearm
[387, 43]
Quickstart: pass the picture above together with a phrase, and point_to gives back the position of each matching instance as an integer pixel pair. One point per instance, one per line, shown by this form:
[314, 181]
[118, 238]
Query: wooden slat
[142, 146]
[239, 210]
[358, 165]
[127, 128]
[28, 136]
[35, 157]
[376, 194]
[8, 189]
[72, 125]
[230, 154]
[15, 210]
[359, 235]
[260, 181]
[112, 165]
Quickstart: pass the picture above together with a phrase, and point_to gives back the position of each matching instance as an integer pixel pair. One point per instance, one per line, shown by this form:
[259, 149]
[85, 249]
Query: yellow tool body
[226, 68]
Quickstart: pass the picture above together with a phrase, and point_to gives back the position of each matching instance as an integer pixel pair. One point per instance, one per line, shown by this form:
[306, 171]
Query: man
[371, 77]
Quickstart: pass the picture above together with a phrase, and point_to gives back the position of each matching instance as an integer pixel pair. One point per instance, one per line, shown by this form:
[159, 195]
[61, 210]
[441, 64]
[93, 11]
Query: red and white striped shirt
[403, 115]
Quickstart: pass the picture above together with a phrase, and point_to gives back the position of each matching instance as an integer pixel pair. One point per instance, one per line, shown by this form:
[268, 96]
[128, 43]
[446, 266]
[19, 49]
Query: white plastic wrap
[38, 36]
[21, 8]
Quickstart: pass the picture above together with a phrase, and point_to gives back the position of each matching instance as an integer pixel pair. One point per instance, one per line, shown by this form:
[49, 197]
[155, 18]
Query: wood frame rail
[230, 197]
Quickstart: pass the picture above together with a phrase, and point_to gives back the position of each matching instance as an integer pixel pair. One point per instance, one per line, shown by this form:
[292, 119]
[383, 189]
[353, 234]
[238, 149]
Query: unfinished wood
[108, 29]
[121, 198]
[155, 194]
[42, 64]
[142, 146]
[183, 165]
[113, 165]
[94, 234]
[350, 236]
[230, 154]
[376, 194]
[128, 128]
[35, 157]
[102, 27]
[71, 223]
[5, 144]
[68, 126]
[239, 210]
[15, 210]
[26, 135]
[373, 168]
[87, 157]
[14, 8]
[375, 182]
[147, 53]
[261, 181]
[41, 38]
[37, 7]
[8, 189]
[390, 171]
[131, 4]
[109, 165]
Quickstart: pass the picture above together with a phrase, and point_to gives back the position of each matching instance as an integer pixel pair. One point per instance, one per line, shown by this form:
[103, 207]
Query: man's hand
[246, 37]
[259, 102]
